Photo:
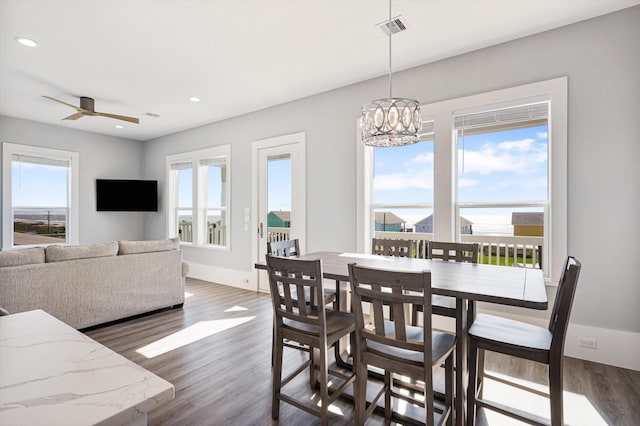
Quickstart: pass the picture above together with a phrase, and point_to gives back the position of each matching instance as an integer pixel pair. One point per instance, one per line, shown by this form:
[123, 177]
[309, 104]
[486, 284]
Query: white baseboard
[613, 347]
[230, 277]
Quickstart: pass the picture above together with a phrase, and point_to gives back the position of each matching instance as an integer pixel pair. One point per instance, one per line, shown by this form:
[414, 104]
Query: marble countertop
[51, 374]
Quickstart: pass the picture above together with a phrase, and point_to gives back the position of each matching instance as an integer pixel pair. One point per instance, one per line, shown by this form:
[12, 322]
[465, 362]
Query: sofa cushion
[133, 247]
[62, 253]
[21, 257]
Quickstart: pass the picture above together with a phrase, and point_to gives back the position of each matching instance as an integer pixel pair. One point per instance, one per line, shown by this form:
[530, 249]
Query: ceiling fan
[87, 108]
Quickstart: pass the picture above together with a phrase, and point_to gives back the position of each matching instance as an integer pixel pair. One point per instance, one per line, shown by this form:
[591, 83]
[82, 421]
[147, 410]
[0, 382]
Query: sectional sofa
[93, 284]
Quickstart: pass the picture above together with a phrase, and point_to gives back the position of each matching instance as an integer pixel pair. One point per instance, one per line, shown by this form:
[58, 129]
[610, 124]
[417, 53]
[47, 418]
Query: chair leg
[360, 392]
[276, 377]
[472, 387]
[388, 406]
[448, 387]
[480, 373]
[314, 356]
[324, 388]
[556, 392]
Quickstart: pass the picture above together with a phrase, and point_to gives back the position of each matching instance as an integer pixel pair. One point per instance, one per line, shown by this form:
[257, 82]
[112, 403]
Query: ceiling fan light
[26, 41]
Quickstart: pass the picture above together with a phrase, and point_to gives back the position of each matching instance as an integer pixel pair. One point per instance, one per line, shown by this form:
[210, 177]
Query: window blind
[45, 161]
[181, 166]
[532, 113]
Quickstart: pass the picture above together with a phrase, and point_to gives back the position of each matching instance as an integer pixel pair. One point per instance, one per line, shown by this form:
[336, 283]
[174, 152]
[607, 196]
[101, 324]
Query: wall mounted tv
[118, 195]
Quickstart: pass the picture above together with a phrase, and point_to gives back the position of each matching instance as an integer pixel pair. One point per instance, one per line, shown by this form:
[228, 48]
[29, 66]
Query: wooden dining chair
[447, 252]
[396, 347]
[310, 324]
[291, 248]
[526, 341]
[390, 247]
[284, 248]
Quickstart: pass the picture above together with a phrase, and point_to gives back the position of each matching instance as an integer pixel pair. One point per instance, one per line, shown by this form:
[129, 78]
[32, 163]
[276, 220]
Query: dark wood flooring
[216, 351]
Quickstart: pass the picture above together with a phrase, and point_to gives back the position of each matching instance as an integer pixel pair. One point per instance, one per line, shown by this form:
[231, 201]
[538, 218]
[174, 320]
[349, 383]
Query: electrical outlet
[585, 342]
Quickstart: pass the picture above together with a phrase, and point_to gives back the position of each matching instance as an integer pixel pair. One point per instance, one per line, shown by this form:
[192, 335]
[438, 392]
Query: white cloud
[421, 179]
[542, 135]
[511, 156]
[467, 182]
[424, 158]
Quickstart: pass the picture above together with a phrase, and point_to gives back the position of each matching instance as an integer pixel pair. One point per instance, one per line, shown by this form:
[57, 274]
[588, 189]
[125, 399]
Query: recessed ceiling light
[194, 99]
[26, 41]
[119, 126]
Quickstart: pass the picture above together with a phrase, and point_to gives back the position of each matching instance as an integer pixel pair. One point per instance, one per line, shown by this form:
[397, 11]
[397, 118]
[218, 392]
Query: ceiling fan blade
[119, 117]
[63, 103]
[74, 116]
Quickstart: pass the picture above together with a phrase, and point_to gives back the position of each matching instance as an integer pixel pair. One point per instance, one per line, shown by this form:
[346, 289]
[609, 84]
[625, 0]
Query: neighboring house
[528, 224]
[387, 221]
[279, 219]
[426, 225]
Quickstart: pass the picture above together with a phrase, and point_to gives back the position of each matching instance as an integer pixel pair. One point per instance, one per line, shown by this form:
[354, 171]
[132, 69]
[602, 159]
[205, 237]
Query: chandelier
[390, 121]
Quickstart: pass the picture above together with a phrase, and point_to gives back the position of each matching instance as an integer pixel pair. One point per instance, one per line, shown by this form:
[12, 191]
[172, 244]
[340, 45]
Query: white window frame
[446, 207]
[11, 149]
[199, 207]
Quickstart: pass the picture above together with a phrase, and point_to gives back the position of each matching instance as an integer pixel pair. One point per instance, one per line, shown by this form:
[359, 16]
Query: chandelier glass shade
[390, 121]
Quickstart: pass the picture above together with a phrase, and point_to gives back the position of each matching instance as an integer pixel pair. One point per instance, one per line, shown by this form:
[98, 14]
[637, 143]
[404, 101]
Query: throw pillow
[62, 253]
[133, 247]
[21, 257]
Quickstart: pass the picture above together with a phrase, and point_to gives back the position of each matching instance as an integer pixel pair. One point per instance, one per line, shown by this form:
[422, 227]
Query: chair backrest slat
[456, 252]
[559, 320]
[390, 247]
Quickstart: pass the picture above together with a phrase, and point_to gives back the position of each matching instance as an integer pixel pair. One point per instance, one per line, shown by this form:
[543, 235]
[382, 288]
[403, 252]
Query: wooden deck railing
[495, 250]
[215, 233]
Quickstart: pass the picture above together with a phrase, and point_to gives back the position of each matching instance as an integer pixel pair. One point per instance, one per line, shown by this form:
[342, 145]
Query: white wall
[601, 58]
[100, 157]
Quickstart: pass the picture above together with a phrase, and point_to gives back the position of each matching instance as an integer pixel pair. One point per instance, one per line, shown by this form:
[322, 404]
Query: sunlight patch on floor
[578, 410]
[187, 294]
[193, 333]
[236, 309]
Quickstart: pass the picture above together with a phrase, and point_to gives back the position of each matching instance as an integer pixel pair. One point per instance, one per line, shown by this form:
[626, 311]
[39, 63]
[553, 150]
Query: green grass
[503, 262]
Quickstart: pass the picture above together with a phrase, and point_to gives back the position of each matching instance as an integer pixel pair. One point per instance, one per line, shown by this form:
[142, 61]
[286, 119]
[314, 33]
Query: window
[502, 181]
[496, 175]
[199, 197]
[402, 191]
[40, 196]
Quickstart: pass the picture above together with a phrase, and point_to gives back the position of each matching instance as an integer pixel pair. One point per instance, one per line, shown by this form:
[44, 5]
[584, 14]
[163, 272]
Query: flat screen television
[120, 195]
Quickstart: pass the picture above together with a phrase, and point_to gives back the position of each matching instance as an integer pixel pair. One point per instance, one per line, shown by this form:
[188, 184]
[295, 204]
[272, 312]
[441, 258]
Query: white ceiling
[145, 56]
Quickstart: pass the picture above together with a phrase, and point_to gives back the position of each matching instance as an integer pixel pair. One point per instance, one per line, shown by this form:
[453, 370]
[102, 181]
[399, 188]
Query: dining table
[467, 282]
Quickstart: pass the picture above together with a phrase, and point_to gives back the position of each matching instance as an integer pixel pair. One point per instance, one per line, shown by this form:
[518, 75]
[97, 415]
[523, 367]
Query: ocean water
[482, 224]
[491, 225]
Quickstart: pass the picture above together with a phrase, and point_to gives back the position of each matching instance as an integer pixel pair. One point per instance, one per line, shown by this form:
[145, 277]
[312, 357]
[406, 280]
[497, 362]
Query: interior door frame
[297, 143]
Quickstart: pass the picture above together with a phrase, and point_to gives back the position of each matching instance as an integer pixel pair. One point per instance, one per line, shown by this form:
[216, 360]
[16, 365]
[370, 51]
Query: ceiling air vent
[393, 26]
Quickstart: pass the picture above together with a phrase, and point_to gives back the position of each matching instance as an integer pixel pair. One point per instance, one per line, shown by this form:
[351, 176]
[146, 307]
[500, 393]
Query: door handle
[261, 230]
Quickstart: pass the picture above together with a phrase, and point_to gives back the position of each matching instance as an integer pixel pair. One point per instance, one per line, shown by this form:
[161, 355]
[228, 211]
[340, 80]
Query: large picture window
[40, 196]
[495, 174]
[199, 197]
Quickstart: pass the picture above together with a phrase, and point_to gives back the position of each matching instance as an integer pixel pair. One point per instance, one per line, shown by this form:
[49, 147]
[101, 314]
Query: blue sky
[503, 166]
[38, 185]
